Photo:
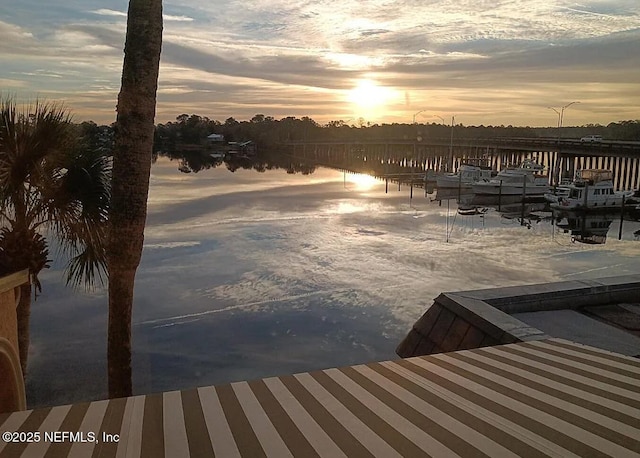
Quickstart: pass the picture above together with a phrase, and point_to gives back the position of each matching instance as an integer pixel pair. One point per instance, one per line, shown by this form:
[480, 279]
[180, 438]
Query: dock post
[524, 196]
[621, 219]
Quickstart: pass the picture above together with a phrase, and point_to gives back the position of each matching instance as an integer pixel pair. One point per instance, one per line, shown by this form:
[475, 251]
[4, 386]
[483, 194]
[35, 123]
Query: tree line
[268, 132]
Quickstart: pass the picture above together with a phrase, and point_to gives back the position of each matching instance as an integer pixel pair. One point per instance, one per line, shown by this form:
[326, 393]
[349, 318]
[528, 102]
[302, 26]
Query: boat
[526, 179]
[466, 175]
[634, 198]
[558, 192]
[590, 228]
[430, 176]
[469, 210]
[592, 190]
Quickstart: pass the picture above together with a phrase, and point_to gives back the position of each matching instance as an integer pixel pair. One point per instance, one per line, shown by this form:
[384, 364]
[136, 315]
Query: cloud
[108, 12]
[12, 83]
[294, 57]
[15, 39]
[168, 17]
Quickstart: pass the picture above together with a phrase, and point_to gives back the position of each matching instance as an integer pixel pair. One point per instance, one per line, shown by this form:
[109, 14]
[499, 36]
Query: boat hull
[448, 181]
[573, 204]
[494, 189]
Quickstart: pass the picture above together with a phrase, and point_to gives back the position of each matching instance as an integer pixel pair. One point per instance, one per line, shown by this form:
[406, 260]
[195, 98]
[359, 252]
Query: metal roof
[533, 399]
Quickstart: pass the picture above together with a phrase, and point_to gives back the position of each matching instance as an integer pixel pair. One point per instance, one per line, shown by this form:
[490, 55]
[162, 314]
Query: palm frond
[88, 268]
[24, 250]
[50, 181]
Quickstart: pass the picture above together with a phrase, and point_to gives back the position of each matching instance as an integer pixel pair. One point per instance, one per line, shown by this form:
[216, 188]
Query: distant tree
[50, 183]
[96, 137]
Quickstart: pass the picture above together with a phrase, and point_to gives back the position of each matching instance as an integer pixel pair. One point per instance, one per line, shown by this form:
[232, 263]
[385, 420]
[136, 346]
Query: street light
[558, 113]
[562, 111]
[416, 114]
[561, 116]
[451, 145]
[450, 165]
[556, 173]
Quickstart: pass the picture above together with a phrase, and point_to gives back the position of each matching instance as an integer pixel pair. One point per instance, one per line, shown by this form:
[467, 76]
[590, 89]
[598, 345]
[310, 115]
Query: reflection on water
[586, 227]
[251, 274]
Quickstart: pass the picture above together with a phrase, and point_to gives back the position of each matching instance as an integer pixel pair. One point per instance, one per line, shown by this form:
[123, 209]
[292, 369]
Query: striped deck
[544, 398]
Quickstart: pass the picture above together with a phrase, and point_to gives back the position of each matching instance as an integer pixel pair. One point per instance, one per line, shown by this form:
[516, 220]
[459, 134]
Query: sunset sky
[486, 62]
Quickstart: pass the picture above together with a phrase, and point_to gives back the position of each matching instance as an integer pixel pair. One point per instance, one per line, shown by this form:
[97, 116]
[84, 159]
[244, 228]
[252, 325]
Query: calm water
[247, 275]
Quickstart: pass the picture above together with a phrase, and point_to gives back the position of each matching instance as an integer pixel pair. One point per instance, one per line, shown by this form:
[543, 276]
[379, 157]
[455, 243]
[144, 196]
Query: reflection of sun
[368, 95]
[362, 182]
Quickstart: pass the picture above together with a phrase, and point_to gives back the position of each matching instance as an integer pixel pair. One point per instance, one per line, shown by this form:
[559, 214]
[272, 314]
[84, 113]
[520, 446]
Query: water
[247, 275]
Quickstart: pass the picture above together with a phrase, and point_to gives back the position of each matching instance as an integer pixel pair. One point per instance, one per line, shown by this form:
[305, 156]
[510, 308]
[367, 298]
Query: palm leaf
[51, 183]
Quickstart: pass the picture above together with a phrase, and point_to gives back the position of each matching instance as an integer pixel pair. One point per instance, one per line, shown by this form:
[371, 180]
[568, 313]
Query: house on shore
[215, 139]
[244, 148]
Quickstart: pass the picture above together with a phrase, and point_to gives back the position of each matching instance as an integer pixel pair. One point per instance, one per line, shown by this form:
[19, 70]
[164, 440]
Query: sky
[483, 62]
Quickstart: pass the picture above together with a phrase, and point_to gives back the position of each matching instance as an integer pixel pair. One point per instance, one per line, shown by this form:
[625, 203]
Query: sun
[367, 95]
[362, 182]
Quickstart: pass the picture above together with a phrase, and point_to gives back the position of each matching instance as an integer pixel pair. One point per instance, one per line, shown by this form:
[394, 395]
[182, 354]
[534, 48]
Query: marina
[468, 174]
[524, 180]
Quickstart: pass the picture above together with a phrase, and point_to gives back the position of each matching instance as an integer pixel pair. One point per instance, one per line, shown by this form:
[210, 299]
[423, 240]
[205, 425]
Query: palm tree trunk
[119, 338]
[23, 316]
[130, 185]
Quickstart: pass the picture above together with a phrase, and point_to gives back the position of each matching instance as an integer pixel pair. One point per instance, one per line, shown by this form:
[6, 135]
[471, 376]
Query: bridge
[572, 147]
[386, 157]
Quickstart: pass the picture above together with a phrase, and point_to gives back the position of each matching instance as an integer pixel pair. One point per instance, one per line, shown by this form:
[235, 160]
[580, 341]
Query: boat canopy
[595, 175]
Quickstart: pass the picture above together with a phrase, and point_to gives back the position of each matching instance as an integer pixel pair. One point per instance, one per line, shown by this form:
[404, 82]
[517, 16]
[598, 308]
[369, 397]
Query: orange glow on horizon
[369, 99]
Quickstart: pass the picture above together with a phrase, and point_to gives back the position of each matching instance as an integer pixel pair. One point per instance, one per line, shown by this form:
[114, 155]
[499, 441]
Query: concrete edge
[558, 295]
[472, 319]
[489, 319]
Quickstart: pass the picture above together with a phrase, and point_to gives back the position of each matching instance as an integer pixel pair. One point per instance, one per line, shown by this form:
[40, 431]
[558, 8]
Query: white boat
[558, 192]
[466, 175]
[592, 190]
[585, 227]
[430, 176]
[523, 180]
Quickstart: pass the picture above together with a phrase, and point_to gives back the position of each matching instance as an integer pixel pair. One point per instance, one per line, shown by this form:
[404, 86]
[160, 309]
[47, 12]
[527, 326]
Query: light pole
[560, 114]
[451, 145]
[450, 165]
[558, 124]
[416, 114]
